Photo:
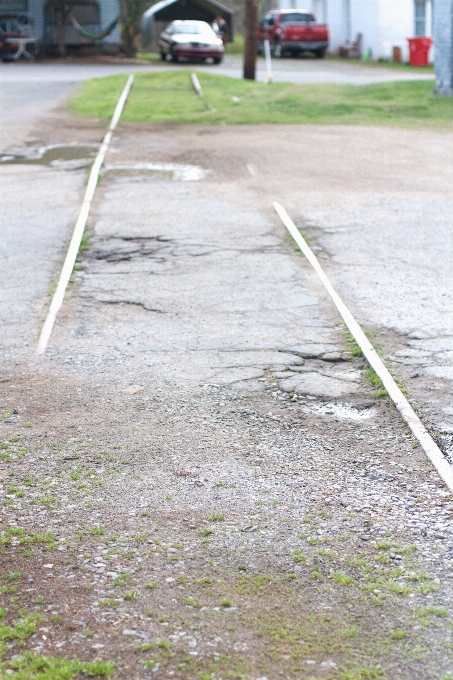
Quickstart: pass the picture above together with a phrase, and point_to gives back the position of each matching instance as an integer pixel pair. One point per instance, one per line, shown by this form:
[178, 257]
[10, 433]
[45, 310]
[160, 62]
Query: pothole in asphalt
[125, 248]
[170, 171]
[343, 410]
[72, 156]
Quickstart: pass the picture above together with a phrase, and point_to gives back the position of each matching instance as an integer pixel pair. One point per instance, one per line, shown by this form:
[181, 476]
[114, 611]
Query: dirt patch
[223, 552]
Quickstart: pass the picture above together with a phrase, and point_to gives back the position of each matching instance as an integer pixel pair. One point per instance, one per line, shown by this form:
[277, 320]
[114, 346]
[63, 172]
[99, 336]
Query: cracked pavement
[197, 481]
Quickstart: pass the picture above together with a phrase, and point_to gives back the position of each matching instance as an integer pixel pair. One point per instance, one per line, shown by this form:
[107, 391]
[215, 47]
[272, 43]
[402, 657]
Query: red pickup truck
[293, 31]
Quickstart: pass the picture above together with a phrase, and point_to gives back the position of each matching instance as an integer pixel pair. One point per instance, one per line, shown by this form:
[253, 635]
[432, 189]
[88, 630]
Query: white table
[21, 47]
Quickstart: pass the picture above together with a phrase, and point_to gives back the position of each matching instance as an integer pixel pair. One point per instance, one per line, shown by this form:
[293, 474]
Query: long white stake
[267, 52]
[427, 442]
[79, 228]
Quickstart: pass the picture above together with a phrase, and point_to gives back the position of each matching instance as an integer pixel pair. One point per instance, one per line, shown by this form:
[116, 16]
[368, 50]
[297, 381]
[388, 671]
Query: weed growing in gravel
[192, 602]
[299, 557]
[131, 595]
[376, 382]
[122, 579]
[316, 573]
[217, 517]
[206, 531]
[109, 602]
[426, 588]
[29, 665]
[353, 347]
[314, 540]
[164, 644]
[341, 578]
[441, 612]
[97, 531]
[398, 634]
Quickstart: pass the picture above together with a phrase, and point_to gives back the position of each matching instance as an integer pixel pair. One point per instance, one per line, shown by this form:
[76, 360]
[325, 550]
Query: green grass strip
[168, 97]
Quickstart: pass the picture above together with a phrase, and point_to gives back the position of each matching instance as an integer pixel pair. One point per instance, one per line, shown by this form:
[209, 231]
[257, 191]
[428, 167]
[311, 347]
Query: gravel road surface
[197, 479]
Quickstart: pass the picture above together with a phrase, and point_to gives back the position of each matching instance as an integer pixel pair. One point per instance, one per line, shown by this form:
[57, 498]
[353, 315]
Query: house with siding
[384, 24]
[37, 18]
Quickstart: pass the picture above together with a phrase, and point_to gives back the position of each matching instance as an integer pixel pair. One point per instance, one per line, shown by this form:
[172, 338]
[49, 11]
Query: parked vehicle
[293, 31]
[190, 40]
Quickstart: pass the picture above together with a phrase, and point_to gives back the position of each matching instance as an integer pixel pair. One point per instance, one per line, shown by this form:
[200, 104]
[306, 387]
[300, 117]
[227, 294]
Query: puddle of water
[55, 156]
[347, 411]
[171, 171]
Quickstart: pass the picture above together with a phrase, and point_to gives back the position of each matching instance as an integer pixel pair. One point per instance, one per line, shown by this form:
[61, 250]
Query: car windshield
[191, 29]
[296, 18]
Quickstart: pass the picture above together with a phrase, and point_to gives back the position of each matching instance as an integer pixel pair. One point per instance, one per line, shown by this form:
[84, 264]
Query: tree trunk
[60, 28]
[131, 18]
[250, 47]
[128, 41]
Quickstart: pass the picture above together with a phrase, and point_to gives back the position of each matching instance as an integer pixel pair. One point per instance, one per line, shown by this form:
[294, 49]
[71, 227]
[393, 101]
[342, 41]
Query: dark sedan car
[190, 40]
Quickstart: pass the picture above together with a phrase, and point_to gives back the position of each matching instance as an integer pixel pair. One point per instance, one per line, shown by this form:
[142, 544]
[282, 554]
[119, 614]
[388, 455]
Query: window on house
[86, 13]
[13, 6]
[420, 17]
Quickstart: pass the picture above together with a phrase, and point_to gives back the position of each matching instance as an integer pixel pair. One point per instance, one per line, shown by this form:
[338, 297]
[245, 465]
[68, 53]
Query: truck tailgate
[306, 32]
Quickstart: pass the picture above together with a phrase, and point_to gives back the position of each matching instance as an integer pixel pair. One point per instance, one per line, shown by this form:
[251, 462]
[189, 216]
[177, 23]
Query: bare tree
[250, 47]
[131, 18]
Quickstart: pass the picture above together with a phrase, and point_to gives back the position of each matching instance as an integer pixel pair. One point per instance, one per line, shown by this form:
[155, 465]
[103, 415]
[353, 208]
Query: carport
[169, 10]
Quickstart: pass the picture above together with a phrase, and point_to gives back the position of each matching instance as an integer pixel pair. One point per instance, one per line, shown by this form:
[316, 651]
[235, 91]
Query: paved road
[378, 203]
[176, 429]
[196, 423]
[289, 70]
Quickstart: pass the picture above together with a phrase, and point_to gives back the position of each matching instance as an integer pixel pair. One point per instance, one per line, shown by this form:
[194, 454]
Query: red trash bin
[419, 51]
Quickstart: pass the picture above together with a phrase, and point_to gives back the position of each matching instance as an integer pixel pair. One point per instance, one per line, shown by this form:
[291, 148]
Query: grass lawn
[168, 96]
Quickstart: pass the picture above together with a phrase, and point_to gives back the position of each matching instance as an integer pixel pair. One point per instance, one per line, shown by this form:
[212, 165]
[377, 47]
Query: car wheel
[163, 56]
[277, 50]
[174, 58]
[218, 60]
[319, 54]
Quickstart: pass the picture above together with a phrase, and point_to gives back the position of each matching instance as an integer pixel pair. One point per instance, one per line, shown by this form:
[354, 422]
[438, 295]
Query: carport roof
[169, 10]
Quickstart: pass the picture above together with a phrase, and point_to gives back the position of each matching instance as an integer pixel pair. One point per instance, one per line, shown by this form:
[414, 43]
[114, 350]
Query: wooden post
[250, 47]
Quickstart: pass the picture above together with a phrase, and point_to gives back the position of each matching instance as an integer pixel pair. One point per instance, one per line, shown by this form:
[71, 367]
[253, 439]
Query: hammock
[91, 36]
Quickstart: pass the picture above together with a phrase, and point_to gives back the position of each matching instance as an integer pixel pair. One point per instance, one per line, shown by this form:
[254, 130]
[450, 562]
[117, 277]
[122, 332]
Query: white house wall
[396, 24]
[384, 24]
[365, 20]
[336, 23]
